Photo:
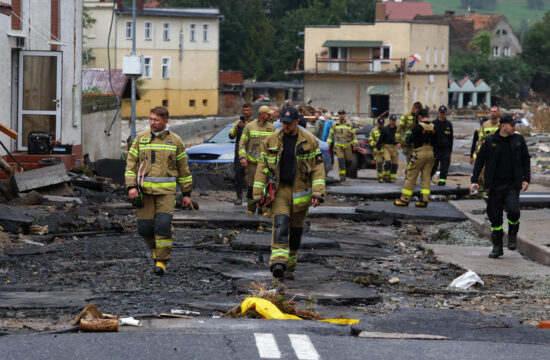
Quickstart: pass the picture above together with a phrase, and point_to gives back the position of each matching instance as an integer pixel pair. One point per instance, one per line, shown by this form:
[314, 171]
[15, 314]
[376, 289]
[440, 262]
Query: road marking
[303, 347]
[267, 346]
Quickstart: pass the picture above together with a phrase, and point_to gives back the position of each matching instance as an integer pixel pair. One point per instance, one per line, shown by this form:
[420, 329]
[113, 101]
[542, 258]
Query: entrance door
[39, 105]
[379, 105]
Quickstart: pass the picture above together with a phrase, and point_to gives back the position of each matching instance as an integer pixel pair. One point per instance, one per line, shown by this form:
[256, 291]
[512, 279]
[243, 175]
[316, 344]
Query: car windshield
[221, 137]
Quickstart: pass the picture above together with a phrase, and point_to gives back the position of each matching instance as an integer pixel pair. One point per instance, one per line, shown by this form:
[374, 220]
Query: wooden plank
[38, 178]
[6, 130]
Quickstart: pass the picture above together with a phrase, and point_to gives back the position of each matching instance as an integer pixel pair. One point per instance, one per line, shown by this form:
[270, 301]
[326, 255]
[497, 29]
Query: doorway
[39, 103]
[380, 104]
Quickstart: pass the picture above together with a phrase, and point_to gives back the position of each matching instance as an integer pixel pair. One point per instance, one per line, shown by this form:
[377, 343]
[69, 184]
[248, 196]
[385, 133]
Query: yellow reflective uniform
[488, 128]
[342, 136]
[406, 123]
[378, 154]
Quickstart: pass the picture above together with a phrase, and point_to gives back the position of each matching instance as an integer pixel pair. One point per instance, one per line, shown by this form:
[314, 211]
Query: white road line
[303, 347]
[267, 346]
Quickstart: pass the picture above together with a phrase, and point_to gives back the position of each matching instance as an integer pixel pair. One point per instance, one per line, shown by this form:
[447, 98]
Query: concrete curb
[526, 247]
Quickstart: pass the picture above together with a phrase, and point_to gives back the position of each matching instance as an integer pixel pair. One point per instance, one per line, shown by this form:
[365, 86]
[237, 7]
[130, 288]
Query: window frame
[165, 31]
[150, 58]
[128, 27]
[206, 31]
[435, 56]
[168, 65]
[193, 32]
[506, 51]
[496, 51]
[150, 37]
[428, 56]
[443, 56]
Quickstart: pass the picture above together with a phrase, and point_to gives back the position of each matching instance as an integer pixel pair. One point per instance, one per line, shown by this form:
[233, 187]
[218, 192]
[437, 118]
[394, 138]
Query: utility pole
[133, 116]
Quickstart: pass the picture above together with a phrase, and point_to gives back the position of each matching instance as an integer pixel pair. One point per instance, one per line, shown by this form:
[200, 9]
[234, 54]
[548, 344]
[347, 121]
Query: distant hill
[514, 10]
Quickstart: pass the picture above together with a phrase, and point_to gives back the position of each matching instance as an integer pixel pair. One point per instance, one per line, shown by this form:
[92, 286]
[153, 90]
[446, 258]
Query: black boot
[513, 236]
[278, 270]
[496, 238]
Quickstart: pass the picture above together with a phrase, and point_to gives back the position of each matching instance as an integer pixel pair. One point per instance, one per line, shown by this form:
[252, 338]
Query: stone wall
[98, 112]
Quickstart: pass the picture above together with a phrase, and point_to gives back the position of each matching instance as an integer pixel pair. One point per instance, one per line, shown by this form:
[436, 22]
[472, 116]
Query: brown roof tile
[407, 10]
[99, 78]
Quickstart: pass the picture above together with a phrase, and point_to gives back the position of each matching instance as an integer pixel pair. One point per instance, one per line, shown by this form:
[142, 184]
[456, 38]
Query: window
[441, 100]
[506, 51]
[148, 30]
[165, 102]
[435, 96]
[166, 31]
[427, 56]
[435, 56]
[427, 98]
[128, 30]
[193, 32]
[501, 31]
[147, 67]
[415, 94]
[496, 51]
[165, 67]
[442, 56]
[204, 102]
[205, 32]
[191, 103]
[385, 52]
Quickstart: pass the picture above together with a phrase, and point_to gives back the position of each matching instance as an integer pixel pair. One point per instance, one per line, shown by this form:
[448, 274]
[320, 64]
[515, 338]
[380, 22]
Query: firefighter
[407, 122]
[389, 143]
[378, 151]
[443, 145]
[422, 139]
[507, 164]
[291, 158]
[343, 140]
[235, 133]
[488, 128]
[156, 163]
[249, 149]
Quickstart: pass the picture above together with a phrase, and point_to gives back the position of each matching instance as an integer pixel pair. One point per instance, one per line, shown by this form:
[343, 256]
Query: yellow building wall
[421, 81]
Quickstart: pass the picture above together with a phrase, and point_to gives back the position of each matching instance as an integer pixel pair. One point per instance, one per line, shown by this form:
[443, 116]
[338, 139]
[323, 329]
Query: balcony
[359, 65]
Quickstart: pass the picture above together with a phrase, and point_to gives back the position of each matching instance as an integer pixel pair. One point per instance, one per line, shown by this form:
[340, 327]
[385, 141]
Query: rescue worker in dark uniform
[422, 140]
[443, 145]
[156, 163]
[388, 142]
[292, 156]
[507, 171]
[235, 133]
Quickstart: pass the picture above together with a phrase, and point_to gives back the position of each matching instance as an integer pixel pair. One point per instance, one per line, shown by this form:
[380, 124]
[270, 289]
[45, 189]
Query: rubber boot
[160, 268]
[513, 236]
[155, 255]
[278, 270]
[496, 238]
[239, 199]
[400, 202]
[421, 204]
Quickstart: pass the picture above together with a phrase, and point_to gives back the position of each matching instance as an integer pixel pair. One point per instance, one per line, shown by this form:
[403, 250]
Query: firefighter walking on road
[343, 140]
[443, 145]
[292, 164]
[507, 164]
[389, 143]
[422, 139]
[488, 128]
[252, 137]
[406, 123]
[236, 133]
[378, 151]
[156, 163]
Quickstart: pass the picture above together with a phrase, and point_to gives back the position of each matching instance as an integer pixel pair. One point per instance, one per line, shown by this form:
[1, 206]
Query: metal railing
[366, 65]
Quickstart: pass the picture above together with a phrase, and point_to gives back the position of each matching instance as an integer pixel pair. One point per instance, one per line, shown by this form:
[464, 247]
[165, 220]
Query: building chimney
[469, 12]
[139, 5]
[449, 13]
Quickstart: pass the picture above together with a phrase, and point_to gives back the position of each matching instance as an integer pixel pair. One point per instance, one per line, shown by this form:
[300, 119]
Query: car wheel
[354, 166]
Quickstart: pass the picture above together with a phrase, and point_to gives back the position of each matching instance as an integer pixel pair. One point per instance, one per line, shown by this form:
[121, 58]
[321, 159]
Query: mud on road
[45, 287]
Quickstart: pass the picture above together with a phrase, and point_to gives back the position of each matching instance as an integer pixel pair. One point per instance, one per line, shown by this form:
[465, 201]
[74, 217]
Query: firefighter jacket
[488, 128]
[373, 139]
[444, 137]
[253, 135]
[388, 135]
[162, 163]
[342, 134]
[422, 134]
[309, 178]
[488, 157]
[236, 133]
[405, 125]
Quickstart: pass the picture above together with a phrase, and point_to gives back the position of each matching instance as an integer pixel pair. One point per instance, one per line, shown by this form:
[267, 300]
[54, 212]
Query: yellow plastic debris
[341, 321]
[266, 308]
[269, 311]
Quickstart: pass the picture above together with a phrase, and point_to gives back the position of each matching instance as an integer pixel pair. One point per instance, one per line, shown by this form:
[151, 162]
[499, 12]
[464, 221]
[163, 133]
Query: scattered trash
[544, 324]
[394, 281]
[184, 312]
[30, 242]
[38, 230]
[98, 325]
[130, 321]
[466, 280]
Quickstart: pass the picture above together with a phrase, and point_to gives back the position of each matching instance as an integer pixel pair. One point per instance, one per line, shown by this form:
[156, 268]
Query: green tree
[536, 45]
[482, 43]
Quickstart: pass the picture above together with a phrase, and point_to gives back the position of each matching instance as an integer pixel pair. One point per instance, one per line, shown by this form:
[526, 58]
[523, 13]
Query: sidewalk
[534, 233]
